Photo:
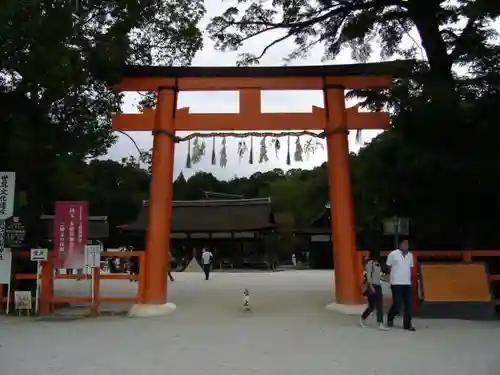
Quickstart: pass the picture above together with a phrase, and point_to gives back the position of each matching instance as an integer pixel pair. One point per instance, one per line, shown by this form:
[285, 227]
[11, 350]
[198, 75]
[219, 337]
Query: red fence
[48, 300]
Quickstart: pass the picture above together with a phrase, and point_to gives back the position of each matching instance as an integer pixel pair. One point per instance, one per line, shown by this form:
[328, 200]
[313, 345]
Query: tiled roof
[213, 216]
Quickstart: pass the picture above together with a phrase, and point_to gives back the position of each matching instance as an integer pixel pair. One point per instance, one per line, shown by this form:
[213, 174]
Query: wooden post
[96, 290]
[160, 200]
[415, 286]
[341, 202]
[140, 282]
[2, 294]
[46, 287]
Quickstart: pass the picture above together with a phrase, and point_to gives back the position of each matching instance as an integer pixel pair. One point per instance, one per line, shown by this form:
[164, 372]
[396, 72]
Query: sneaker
[411, 329]
[382, 327]
[362, 323]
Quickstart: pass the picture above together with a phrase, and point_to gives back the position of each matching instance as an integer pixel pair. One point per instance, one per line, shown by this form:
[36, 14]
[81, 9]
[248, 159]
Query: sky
[227, 102]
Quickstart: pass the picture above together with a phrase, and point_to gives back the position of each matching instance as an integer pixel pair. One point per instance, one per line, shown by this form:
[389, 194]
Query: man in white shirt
[400, 262]
[206, 259]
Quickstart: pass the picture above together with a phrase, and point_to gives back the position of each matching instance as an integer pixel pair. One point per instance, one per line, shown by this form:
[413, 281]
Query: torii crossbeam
[334, 119]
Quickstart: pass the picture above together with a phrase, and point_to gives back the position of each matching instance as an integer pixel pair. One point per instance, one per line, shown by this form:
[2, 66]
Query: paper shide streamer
[246, 142]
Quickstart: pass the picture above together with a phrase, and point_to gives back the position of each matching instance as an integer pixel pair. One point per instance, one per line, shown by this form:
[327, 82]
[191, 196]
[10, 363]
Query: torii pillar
[334, 119]
[347, 281]
[153, 301]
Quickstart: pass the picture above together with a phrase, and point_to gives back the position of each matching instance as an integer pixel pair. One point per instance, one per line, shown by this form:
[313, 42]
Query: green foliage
[438, 164]
[58, 59]
[357, 24]
[302, 193]
[116, 190]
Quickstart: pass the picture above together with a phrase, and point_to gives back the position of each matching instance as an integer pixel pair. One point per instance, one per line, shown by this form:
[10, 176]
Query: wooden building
[317, 236]
[233, 229]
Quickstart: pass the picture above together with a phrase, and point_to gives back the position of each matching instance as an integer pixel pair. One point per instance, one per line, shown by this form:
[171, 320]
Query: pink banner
[70, 234]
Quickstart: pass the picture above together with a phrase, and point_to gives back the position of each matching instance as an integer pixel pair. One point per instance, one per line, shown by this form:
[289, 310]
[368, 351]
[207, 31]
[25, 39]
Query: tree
[357, 24]
[57, 61]
[301, 193]
[443, 182]
[116, 190]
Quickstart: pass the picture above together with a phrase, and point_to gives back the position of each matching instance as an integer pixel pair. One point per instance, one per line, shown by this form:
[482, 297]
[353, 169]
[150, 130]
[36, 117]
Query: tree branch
[258, 21]
[467, 30]
[270, 45]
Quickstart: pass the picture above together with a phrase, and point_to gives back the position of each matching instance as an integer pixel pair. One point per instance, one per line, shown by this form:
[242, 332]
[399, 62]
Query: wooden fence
[48, 300]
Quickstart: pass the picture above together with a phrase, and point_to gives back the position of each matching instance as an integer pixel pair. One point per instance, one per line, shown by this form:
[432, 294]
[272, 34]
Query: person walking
[206, 259]
[171, 259]
[400, 263]
[373, 290]
[134, 267]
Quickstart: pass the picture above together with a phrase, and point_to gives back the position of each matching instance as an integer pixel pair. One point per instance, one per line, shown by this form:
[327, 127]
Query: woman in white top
[373, 290]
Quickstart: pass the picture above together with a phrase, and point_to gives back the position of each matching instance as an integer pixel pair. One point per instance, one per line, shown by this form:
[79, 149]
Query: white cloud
[296, 101]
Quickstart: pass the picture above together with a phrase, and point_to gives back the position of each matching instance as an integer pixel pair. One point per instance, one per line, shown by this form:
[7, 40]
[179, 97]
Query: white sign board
[39, 255]
[5, 265]
[7, 190]
[396, 226]
[22, 300]
[93, 255]
[320, 238]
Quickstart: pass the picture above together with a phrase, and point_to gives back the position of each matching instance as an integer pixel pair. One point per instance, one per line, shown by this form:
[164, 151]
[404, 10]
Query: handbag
[365, 289]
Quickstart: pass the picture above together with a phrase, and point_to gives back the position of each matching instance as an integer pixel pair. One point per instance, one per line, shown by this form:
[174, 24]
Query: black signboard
[14, 233]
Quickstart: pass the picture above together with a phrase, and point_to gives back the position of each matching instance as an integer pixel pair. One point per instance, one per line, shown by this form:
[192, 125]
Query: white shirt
[206, 257]
[401, 266]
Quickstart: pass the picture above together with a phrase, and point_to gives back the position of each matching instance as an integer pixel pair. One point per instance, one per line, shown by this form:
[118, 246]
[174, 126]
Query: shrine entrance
[335, 120]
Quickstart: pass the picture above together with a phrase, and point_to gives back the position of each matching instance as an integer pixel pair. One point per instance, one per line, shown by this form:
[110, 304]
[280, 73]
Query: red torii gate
[335, 119]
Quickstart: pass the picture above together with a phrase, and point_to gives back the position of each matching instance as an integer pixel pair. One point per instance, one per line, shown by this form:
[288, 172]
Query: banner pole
[88, 268]
[7, 309]
[92, 281]
[37, 291]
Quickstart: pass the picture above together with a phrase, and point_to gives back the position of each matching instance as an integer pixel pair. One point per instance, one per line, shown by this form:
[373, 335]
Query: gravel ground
[288, 332]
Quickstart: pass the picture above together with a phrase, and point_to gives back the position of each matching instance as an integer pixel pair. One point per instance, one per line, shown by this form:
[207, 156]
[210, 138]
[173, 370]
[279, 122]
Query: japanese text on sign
[2, 239]
[62, 242]
[93, 255]
[7, 186]
[38, 255]
[22, 300]
[15, 233]
[70, 233]
[71, 228]
[4, 185]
